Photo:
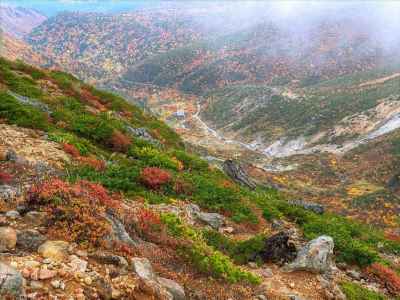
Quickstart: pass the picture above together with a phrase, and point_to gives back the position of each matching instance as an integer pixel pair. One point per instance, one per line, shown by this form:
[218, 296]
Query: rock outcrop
[11, 283]
[278, 248]
[316, 256]
[235, 171]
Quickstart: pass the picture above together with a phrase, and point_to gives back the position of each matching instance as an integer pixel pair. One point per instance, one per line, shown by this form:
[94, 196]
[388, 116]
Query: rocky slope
[100, 201]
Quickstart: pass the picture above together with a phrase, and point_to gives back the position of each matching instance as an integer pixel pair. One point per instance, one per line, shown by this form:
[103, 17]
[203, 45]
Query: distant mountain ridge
[19, 21]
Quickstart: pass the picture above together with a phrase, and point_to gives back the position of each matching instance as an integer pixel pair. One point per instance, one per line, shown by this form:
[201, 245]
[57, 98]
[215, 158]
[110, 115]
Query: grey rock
[261, 297]
[142, 267]
[354, 274]
[109, 259]
[29, 240]
[11, 282]
[266, 272]
[11, 155]
[8, 193]
[311, 206]
[13, 214]
[215, 220]
[316, 256]
[176, 290]
[235, 171]
[119, 231]
[143, 134]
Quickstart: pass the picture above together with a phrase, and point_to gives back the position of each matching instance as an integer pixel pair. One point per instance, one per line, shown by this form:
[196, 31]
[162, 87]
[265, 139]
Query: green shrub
[64, 80]
[354, 291]
[205, 258]
[151, 156]
[21, 115]
[190, 162]
[240, 251]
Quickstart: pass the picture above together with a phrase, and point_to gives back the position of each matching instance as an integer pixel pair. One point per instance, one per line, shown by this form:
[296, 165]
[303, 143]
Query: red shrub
[92, 100]
[120, 142]
[148, 221]
[71, 150]
[386, 276]
[97, 164]
[5, 178]
[154, 177]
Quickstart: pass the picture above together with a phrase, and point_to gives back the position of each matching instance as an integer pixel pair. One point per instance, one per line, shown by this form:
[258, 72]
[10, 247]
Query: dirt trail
[379, 80]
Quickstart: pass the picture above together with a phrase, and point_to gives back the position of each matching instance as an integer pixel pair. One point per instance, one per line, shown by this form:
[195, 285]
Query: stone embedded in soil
[8, 239]
[29, 240]
[174, 288]
[55, 250]
[13, 214]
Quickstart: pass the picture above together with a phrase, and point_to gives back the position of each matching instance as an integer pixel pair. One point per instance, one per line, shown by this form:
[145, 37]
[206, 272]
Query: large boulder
[316, 256]
[279, 248]
[11, 283]
[235, 171]
[8, 239]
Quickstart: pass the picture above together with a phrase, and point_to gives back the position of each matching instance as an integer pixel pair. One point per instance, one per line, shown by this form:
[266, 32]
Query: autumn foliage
[76, 211]
[5, 178]
[71, 150]
[154, 178]
[120, 142]
[389, 278]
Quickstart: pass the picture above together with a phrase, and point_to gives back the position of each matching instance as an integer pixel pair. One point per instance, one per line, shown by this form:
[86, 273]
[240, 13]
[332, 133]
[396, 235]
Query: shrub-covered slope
[128, 172]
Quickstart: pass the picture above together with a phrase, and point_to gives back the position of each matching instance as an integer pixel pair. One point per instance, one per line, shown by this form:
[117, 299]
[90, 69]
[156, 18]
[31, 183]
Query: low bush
[119, 142]
[150, 156]
[354, 291]
[389, 278]
[75, 211]
[153, 178]
[204, 257]
[21, 115]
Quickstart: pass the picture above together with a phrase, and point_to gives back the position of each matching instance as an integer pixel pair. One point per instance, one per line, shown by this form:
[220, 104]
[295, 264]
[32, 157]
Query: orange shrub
[97, 164]
[76, 212]
[389, 278]
[154, 178]
[120, 142]
[71, 150]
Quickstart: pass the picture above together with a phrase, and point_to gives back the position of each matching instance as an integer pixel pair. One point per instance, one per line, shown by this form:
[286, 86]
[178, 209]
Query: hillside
[108, 193]
[19, 21]
[13, 48]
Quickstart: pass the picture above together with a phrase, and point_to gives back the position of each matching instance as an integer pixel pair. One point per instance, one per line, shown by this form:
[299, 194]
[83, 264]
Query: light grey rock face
[143, 268]
[11, 282]
[174, 288]
[316, 256]
[12, 214]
